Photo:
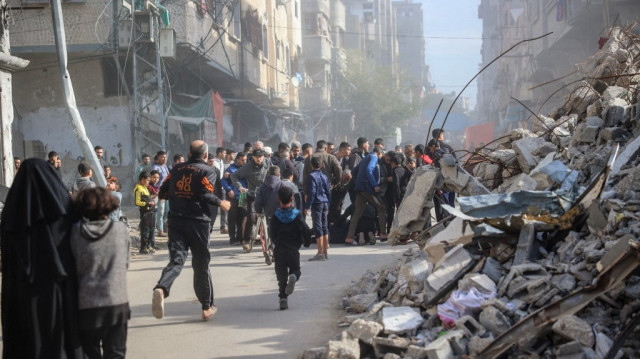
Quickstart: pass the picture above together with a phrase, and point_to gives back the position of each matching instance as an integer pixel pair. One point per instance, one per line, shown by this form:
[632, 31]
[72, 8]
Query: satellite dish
[296, 79]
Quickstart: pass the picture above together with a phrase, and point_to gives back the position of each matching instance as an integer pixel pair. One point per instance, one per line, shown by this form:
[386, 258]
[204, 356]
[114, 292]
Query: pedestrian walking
[189, 189]
[318, 197]
[288, 231]
[100, 248]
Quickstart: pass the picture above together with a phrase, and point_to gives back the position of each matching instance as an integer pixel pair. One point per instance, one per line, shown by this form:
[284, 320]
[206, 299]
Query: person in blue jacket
[368, 192]
[318, 197]
[236, 214]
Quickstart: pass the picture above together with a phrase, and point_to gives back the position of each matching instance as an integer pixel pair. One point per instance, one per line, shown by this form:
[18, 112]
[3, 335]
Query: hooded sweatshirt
[267, 196]
[287, 228]
[101, 253]
[82, 183]
[252, 173]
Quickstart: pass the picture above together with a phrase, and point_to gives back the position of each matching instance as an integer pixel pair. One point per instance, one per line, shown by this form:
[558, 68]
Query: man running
[189, 189]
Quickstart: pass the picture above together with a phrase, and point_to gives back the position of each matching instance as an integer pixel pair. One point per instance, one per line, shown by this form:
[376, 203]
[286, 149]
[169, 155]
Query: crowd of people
[87, 246]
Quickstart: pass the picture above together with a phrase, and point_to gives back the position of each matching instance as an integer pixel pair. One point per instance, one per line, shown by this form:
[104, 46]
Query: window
[265, 42]
[287, 59]
[237, 21]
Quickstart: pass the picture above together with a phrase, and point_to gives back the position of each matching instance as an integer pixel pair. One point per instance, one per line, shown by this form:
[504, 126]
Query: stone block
[400, 320]
[470, 326]
[383, 346]
[582, 97]
[508, 157]
[313, 353]
[589, 134]
[613, 114]
[455, 233]
[574, 328]
[494, 321]
[458, 180]
[615, 134]
[344, 348]
[441, 348]
[571, 350]
[545, 149]
[449, 267]
[364, 330]
[630, 152]
[631, 182]
[526, 245]
[478, 344]
[524, 149]
[518, 183]
[594, 121]
[362, 302]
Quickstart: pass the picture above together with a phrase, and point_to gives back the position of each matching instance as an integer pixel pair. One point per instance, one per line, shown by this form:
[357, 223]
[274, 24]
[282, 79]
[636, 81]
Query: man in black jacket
[189, 188]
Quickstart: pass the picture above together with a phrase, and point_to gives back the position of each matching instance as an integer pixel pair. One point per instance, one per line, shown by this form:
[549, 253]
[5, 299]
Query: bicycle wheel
[247, 246]
[265, 242]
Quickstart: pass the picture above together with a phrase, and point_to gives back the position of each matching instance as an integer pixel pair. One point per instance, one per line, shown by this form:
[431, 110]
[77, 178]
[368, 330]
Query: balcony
[314, 97]
[316, 6]
[316, 48]
[339, 59]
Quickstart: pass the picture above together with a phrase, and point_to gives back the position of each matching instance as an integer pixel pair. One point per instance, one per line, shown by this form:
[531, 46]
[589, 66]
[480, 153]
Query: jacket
[101, 253]
[190, 189]
[401, 176]
[330, 167]
[252, 173]
[285, 163]
[288, 229]
[82, 183]
[368, 174]
[357, 154]
[141, 196]
[267, 196]
[317, 189]
[226, 183]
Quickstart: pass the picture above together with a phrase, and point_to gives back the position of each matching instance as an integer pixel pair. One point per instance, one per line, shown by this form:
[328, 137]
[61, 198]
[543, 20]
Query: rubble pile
[542, 262]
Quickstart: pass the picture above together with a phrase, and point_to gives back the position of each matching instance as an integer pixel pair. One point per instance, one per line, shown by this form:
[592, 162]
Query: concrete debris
[345, 348]
[541, 258]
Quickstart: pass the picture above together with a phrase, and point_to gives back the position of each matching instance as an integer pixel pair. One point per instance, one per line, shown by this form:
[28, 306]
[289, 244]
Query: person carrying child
[288, 231]
[147, 207]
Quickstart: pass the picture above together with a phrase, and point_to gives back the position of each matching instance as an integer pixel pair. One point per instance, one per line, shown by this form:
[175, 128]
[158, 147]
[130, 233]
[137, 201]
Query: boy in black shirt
[287, 230]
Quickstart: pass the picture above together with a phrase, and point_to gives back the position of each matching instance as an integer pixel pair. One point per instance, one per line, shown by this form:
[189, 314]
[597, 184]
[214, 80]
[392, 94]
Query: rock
[451, 236]
[457, 179]
[588, 134]
[582, 97]
[364, 330]
[448, 268]
[521, 182]
[344, 348]
[441, 348]
[613, 114]
[629, 152]
[366, 284]
[622, 55]
[565, 282]
[416, 352]
[494, 321]
[313, 353]
[360, 303]
[399, 320]
[574, 328]
[632, 287]
[544, 149]
[615, 134]
[519, 133]
[594, 121]
[571, 350]
[631, 182]
[613, 92]
[524, 149]
[415, 273]
[396, 345]
[391, 356]
[508, 157]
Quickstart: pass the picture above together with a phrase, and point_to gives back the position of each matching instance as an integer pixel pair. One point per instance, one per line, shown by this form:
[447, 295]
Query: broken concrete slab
[594, 121]
[415, 273]
[630, 152]
[571, 350]
[613, 113]
[481, 282]
[396, 345]
[520, 182]
[574, 328]
[457, 179]
[493, 269]
[524, 149]
[508, 157]
[364, 330]
[525, 251]
[470, 326]
[362, 302]
[441, 347]
[615, 134]
[544, 149]
[494, 321]
[448, 268]
[313, 353]
[455, 233]
[478, 344]
[603, 346]
[400, 320]
[597, 220]
[589, 134]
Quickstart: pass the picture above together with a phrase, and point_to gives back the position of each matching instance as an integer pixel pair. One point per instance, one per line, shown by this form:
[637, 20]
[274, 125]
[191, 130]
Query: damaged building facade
[540, 257]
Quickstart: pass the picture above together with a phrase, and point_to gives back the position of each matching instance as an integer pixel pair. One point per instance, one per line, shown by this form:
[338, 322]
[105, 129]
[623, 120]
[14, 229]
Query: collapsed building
[540, 258]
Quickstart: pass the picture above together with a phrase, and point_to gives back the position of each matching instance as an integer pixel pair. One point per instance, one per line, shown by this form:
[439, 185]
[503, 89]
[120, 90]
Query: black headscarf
[39, 296]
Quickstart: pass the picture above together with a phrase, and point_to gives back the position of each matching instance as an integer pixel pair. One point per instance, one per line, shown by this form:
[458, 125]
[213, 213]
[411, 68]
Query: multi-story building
[229, 76]
[577, 27]
[411, 45]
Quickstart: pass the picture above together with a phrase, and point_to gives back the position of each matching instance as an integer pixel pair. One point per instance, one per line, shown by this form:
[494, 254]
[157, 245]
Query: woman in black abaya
[39, 296]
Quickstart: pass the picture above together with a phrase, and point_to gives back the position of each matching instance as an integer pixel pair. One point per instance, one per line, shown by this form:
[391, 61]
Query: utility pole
[69, 96]
[8, 64]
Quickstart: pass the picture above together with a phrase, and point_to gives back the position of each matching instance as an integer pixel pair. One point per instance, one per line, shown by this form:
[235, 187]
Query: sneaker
[326, 257]
[143, 251]
[157, 303]
[209, 313]
[361, 239]
[151, 250]
[283, 304]
[161, 234]
[246, 247]
[372, 239]
[291, 284]
[317, 257]
[224, 231]
[349, 241]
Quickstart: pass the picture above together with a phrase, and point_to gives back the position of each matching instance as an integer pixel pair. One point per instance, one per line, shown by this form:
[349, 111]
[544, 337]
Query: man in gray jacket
[84, 181]
[254, 173]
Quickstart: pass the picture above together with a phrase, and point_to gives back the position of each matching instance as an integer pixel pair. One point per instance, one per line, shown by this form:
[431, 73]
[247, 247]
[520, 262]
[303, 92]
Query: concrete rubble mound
[539, 259]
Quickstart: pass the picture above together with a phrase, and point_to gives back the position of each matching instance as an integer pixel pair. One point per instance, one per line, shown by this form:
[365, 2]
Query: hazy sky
[455, 57]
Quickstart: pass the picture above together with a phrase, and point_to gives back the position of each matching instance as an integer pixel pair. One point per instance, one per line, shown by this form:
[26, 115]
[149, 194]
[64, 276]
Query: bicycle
[261, 234]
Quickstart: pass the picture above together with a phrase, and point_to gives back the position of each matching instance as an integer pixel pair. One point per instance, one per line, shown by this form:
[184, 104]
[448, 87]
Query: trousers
[362, 198]
[185, 235]
[113, 340]
[287, 262]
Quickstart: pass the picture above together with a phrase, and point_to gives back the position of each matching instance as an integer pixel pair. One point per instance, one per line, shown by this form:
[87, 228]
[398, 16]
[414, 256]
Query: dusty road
[249, 323]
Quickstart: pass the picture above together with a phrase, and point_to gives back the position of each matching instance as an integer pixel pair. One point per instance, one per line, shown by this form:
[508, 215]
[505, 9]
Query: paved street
[249, 323]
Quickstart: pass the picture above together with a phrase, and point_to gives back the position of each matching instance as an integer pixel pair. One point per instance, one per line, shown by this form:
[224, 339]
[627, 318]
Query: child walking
[100, 248]
[288, 230]
[318, 197]
[147, 207]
